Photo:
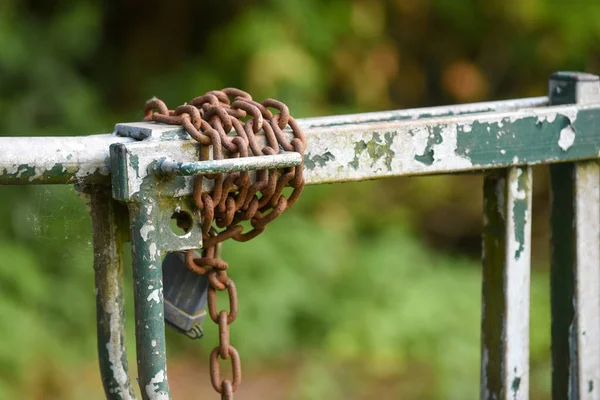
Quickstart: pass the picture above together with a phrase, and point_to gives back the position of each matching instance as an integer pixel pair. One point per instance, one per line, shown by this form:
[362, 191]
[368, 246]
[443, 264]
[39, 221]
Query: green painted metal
[110, 231]
[149, 302]
[65, 160]
[283, 160]
[575, 262]
[150, 212]
[367, 151]
[506, 277]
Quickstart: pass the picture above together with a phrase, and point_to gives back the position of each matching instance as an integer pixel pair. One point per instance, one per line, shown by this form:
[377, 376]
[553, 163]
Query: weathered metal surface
[56, 160]
[63, 160]
[277, 161]
[422, 113]
[575, 267]
[149, 302]
[587, 308]
[506, 278]
[108, 218]
[575, 280]
[428, 146]
[122, 163]
[444, 145]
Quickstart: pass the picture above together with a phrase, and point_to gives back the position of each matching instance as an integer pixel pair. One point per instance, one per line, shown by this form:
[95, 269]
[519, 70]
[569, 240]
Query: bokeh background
[361, 291]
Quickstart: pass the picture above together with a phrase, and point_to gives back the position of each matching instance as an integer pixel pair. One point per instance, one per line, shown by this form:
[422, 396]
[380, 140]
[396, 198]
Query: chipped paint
[567, 138]
[421, 113]
[109, 294]
[154, 387]
[146, 210]
[146, 229]
[518, 192]
[587, 296]
[115, 345]
[56, 159]
[506, 278]
[155, 295]
[154, 252]
[479, 139]
[318, 160]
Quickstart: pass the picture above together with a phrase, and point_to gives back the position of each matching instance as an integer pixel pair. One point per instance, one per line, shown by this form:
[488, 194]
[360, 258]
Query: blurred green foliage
[375, 294]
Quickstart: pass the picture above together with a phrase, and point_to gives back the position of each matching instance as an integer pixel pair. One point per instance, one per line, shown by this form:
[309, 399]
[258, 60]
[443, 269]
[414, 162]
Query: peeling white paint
[567, 138]
[115, 345]
[444, 153]
[586, 301]
[145, 230]
[82, 155]
[153, 387]
[154, 253]
[513, 356]
[546, 118]
[420, 137]
[187, 187]
[517, 289]
[153, 343]
[514, 185]
[416, 113]
[154, 296]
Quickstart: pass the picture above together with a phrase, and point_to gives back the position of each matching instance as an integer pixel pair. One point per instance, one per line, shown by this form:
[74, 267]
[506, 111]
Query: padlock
[185, 296]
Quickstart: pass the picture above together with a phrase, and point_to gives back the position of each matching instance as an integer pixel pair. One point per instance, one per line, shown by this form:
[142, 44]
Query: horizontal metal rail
[85, 159]
[283, 160]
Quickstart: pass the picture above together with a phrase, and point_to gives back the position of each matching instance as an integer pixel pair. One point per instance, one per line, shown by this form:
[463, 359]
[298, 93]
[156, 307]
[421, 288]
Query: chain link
[229, 121]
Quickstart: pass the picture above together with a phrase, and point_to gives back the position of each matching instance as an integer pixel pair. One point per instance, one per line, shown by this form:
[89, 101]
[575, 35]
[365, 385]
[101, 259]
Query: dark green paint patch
[590, 386]
[27, 174]
[135, 163]
[318, 160]
[516, 383]
[358, 149]
[24, 172]
[529, 139]
[520, 214]
[434, 138]
[377, 148]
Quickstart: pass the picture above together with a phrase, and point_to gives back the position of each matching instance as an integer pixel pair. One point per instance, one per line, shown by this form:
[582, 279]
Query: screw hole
[181, 223]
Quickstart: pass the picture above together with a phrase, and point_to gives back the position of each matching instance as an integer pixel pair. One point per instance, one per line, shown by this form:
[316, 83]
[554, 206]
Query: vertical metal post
[149, 303]
[108, 217]
[575, 268]
[506, 278]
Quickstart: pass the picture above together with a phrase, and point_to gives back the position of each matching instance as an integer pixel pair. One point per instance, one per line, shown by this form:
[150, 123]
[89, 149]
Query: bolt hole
[181, 223]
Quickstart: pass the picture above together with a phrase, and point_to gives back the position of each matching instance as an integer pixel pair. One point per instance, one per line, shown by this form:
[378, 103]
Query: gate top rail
[346, 148]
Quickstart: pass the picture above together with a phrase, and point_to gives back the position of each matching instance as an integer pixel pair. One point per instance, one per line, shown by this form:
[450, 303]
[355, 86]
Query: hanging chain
[230, 120]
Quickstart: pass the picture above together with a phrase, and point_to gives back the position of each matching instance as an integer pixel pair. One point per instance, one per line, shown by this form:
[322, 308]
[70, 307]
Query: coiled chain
[229, 120]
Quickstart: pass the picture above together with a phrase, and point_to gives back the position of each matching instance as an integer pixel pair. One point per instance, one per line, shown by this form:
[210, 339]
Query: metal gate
[123, 176]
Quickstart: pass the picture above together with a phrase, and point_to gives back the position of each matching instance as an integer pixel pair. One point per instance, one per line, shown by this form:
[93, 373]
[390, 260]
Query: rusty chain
[229, 121]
